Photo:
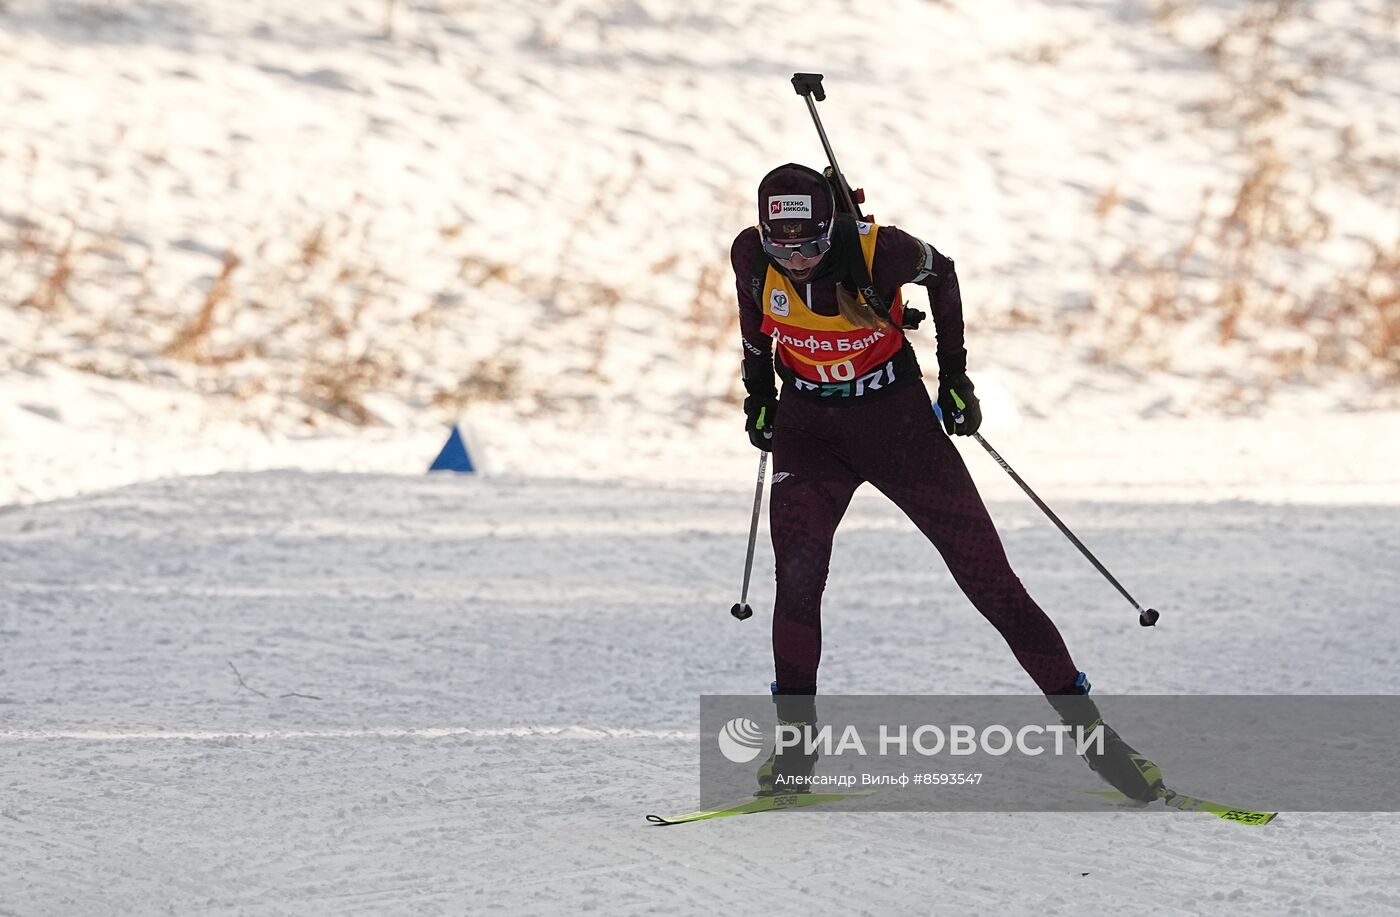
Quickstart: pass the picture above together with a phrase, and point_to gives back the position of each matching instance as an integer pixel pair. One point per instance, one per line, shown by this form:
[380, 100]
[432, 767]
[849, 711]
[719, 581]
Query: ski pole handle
[809, 84]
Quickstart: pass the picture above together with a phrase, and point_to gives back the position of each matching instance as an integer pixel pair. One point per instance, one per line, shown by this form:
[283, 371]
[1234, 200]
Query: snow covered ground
[484, 738]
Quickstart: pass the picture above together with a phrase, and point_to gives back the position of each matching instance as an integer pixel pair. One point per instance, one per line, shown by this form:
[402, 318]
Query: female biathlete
[854, 409]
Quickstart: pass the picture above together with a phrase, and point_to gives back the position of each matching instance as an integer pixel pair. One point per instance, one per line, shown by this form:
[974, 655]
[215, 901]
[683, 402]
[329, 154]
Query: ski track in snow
[508, 677]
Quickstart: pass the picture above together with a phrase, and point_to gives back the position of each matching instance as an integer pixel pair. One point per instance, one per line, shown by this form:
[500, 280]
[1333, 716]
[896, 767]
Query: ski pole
[741, 609]
[1147, 617]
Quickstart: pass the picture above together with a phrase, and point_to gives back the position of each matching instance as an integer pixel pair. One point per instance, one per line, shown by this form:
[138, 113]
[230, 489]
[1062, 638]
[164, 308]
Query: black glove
[760, 411]
[761, 407]
[962, 412]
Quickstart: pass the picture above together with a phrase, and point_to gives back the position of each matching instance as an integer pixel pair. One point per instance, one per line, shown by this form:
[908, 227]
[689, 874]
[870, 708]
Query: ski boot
[1120, 765]
[791, 771]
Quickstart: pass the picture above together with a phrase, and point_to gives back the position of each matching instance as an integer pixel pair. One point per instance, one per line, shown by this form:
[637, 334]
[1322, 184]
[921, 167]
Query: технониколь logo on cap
[790, 207]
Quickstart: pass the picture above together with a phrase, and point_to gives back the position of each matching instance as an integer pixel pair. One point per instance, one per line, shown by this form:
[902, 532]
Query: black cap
[795, 203]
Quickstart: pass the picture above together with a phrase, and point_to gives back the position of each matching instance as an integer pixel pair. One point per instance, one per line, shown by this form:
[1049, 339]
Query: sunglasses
[812, 248]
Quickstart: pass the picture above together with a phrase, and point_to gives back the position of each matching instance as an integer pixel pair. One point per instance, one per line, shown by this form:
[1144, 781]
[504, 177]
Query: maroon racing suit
[826, 443]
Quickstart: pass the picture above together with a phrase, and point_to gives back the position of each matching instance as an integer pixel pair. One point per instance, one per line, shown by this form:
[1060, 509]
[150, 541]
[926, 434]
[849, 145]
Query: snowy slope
[264, 234]
[486, 739]
[268, 235]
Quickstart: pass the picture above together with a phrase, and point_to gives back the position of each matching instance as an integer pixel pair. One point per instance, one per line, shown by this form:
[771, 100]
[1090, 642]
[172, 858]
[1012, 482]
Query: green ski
[758, 804]
[1196, 804]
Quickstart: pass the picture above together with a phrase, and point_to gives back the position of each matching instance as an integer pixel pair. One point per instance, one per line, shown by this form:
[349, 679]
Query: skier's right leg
[790, 771]
[812, 486]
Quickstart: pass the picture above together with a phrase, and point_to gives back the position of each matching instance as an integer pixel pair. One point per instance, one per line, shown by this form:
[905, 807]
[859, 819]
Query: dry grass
[338, 388]
[1166, 13]
[319, 297]
[711, 333]
[191, 340]
[1363, 311]
[1108, 201]
[1049, 53]
[1242, 262]
[51, 295]
[492, 379]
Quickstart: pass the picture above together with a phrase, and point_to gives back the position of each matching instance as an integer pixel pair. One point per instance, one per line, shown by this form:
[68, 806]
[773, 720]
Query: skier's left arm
[761, 405]
[901, 258]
